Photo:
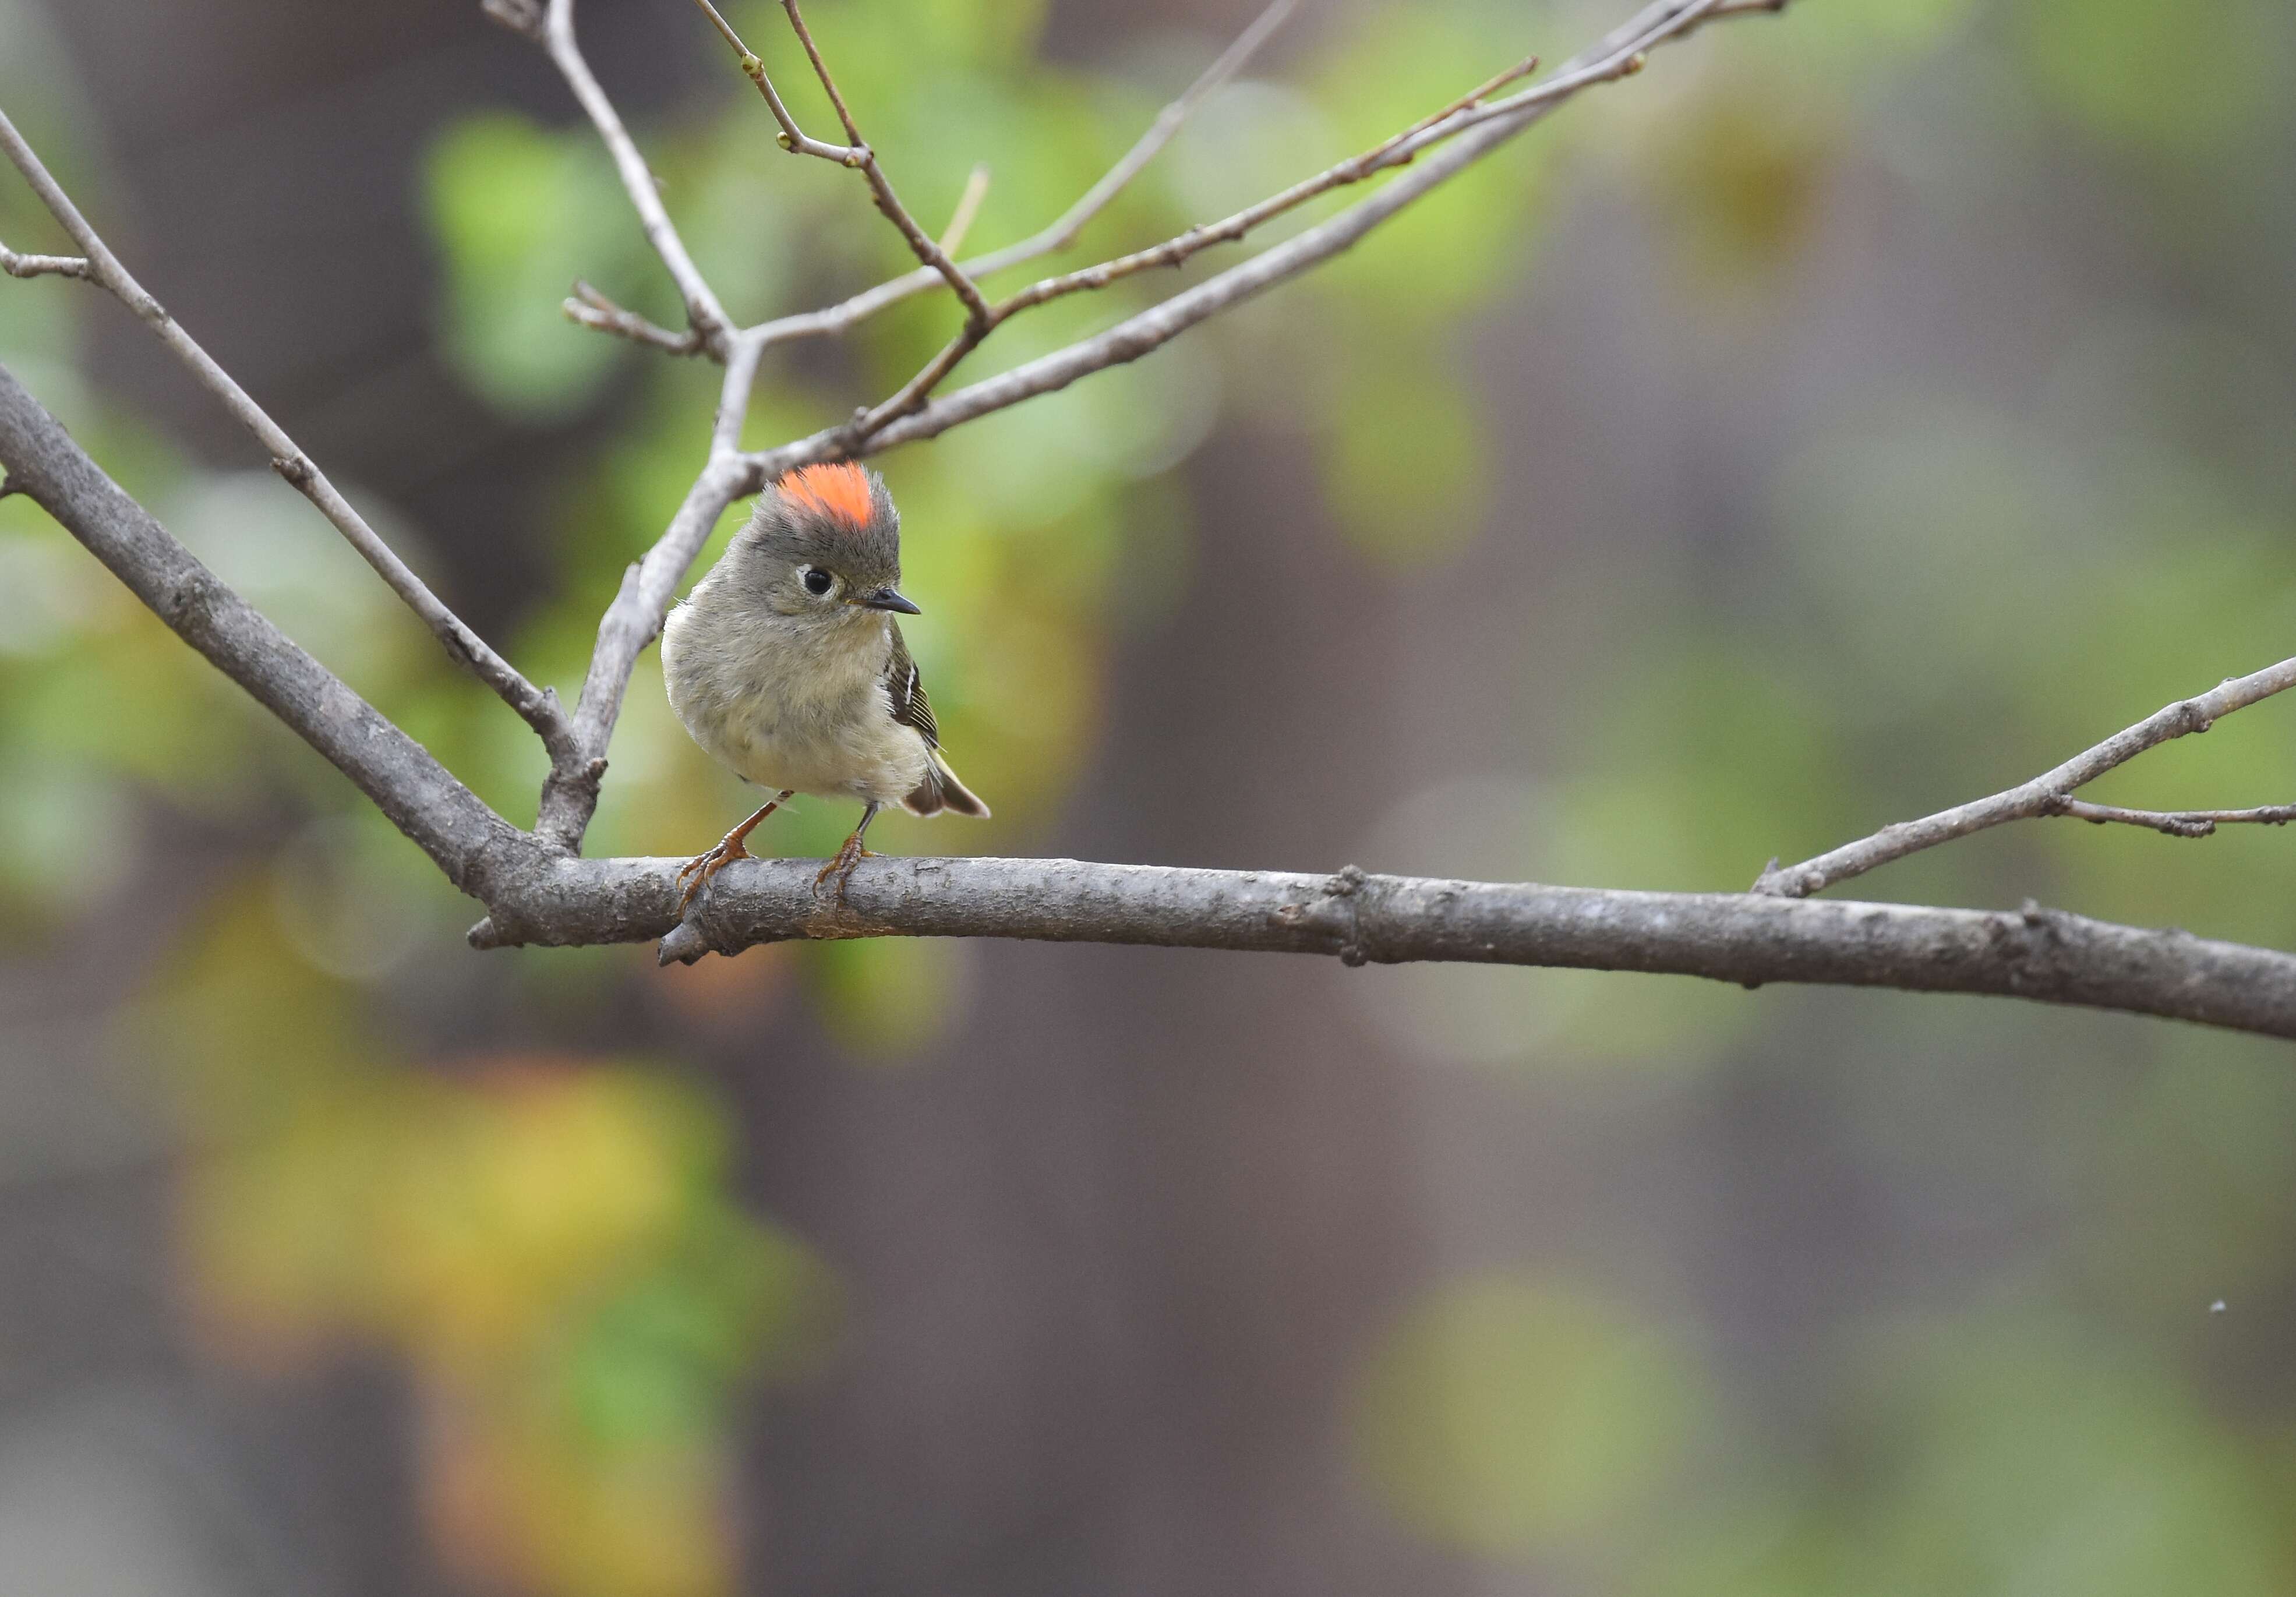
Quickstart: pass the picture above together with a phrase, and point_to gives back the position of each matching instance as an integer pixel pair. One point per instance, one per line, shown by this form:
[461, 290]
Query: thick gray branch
[472, 844]
[1744, 937]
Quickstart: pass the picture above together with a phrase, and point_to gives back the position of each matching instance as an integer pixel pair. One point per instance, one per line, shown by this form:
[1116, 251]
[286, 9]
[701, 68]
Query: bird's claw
[851, 854]
[701, 867]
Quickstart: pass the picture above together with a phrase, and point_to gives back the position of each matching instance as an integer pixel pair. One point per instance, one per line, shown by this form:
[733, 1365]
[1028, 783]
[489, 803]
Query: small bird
[786, 665]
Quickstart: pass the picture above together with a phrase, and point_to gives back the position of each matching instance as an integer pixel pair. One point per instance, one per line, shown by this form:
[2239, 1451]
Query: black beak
[890, 599]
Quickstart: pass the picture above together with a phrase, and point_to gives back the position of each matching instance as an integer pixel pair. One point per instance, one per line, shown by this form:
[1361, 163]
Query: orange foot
[701, 867]
[841, 867]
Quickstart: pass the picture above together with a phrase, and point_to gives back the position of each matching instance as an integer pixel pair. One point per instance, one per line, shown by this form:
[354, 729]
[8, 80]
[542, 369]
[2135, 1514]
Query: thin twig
[1168, 121]
[42, 265]
[791, 138]
[537, 705]
[1064, 230]
[856, 154]
[1624, 62]
[1150, 329]
[913, 393]
[2175, 822]
[703, 311]
[590, 308]
[1397, 150]
[1623, 59]
[968, 208]
[569, 795]
[921, 243]
[2046, 794]
[1174, 251]
[733, 396]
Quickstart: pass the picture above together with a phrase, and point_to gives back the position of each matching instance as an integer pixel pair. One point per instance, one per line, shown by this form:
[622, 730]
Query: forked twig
[923, 243]
[2175, 822]
[900, 421]
[590, 308]
[2051, 793]
[856, 154]
[1381, 157]
[42, 265]
[1059, 233]
[706, 315]
[792, 137]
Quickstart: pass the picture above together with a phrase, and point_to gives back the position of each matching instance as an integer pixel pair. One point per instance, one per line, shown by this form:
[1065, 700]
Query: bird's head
[824, 544]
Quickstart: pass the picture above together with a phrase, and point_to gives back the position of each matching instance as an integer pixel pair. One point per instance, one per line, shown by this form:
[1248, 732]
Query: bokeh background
[1857, 412]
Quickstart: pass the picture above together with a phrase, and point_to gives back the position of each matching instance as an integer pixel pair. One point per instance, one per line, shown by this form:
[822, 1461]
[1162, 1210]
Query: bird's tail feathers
[941, 791]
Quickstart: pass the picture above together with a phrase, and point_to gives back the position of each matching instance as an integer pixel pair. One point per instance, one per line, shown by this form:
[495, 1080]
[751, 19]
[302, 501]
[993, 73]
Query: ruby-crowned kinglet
[786, 666]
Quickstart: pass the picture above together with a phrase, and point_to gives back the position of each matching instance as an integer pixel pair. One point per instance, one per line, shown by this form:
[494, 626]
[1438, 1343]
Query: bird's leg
[849, 857]
[701, 867]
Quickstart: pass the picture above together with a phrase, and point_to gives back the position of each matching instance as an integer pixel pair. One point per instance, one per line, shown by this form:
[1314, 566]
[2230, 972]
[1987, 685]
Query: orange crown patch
[840, 492]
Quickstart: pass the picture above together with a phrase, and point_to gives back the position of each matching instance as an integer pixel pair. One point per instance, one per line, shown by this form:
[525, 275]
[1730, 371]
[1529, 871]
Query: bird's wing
[906, 689]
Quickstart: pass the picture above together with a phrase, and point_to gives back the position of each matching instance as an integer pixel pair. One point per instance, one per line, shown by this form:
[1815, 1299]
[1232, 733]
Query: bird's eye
[818, 581]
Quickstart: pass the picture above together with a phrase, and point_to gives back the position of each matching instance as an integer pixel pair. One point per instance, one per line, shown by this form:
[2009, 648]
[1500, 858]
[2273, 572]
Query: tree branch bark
[2046, 955]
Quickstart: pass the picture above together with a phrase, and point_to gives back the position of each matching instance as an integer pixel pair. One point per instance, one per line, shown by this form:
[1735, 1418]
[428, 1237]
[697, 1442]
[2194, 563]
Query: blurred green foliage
[548, 1242]
[1506, 1415]
[2182, 81]
[2003, 1452]
[520, 214]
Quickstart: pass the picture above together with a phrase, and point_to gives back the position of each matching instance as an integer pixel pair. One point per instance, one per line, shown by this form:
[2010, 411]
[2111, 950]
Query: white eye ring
[818, 582]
